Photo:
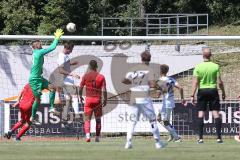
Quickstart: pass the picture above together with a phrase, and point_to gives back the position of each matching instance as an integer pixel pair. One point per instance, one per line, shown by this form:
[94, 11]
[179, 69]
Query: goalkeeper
[36, 80]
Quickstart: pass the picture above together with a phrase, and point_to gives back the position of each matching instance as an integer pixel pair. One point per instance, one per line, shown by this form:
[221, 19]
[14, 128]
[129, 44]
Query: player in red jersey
[95, 85]
[25, 102]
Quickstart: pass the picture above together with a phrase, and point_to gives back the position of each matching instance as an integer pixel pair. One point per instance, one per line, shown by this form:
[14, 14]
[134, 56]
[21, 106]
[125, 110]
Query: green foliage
[57, 13]
[45, 16]
[224, 11]
[54, 16]
[18, 16]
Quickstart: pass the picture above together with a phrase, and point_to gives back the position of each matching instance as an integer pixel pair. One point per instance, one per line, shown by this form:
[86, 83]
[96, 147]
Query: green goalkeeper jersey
[38, 60]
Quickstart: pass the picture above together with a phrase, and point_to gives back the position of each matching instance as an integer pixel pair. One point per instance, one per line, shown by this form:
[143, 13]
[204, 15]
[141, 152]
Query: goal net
[115, 57]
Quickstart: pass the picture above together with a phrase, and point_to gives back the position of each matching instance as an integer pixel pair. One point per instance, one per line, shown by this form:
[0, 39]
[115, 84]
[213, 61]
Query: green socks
[34, 109]
[51, 99]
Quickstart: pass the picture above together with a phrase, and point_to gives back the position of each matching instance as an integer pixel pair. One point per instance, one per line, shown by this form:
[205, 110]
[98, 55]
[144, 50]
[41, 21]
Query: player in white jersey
[68, 87]
[168, 101]
[141, 78]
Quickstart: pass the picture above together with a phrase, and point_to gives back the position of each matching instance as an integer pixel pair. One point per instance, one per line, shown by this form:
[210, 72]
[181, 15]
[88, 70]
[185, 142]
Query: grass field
[114, 149]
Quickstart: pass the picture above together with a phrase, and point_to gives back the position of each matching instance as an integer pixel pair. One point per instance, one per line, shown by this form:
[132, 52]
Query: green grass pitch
[113, 149]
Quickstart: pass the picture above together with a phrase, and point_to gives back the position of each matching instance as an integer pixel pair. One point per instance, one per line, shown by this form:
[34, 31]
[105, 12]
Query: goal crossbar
[102, 38]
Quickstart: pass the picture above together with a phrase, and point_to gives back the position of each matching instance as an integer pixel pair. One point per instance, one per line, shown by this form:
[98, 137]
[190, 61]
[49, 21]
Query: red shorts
[91, 107]
[26, 110]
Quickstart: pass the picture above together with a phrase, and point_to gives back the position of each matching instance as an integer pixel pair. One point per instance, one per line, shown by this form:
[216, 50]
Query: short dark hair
[93, 64]
[68, 45]
[146, 56]
[34, 42]
[164, 69]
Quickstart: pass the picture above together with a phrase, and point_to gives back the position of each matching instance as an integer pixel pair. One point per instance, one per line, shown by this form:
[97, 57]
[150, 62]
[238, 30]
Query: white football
[71, 27]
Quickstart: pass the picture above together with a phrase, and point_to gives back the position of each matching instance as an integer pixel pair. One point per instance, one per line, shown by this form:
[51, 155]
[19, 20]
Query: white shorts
[166, 114]
[167, 109]
[169, 103]
[145, 108]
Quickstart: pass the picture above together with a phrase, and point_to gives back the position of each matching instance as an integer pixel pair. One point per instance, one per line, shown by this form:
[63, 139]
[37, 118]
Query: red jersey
[27, 95]
[94, 83]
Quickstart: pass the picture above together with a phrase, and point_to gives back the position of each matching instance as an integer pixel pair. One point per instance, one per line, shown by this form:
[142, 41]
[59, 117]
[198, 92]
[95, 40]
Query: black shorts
[208, 97]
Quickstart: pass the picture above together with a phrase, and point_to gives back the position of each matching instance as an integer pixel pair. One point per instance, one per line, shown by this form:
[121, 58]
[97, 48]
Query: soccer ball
[71, 27]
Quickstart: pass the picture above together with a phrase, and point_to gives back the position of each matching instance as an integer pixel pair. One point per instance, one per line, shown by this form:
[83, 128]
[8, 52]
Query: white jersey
[168, 97]
[140, 83]
[63, 59]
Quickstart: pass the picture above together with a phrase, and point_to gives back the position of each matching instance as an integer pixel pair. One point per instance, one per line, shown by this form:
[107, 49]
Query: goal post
[116, 55]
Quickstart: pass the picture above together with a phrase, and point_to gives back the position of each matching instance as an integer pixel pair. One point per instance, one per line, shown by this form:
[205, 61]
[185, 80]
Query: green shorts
[37, 85]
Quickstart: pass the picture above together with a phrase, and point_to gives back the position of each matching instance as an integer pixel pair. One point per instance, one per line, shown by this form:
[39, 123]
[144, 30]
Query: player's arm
[19, 98]
[72, 63]
[221, 86]
[82, 84]
[152, 84]
[181, 92]
[58, 34]
[128, 79]
[155, 90]
[80, 93]
[64, 72]
[104, 90]
[195, 82]
[61, 69]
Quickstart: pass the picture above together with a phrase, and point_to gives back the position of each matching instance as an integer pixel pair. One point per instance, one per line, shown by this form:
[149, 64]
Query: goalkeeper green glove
[58, 33]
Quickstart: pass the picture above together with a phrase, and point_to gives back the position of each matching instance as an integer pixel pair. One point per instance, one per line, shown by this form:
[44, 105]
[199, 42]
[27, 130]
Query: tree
[57, 13]
[18, 16]
[224, 11]
[54, 16]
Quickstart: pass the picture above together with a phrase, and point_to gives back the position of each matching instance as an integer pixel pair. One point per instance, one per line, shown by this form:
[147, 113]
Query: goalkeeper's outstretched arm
[58, 34]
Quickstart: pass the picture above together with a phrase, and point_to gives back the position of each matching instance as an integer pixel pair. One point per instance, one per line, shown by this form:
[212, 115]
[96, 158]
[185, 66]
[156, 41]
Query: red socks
[17, 125]
[22, 131]
[87, 126]
[98, 127]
